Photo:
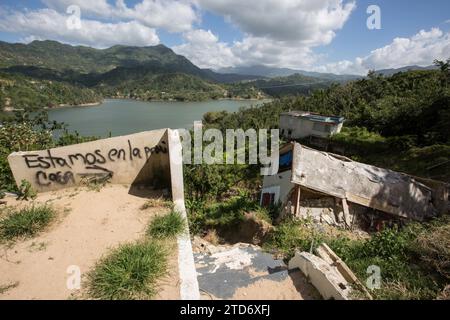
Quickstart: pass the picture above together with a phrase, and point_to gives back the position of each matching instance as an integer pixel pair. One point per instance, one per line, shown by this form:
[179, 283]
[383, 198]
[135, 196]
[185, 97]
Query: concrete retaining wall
[134, 159]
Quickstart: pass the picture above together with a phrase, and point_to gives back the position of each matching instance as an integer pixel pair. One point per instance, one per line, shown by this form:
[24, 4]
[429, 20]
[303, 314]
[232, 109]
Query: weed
[26, 191]
[157, 203]
[129, 272]
[25, 222]
[166, 226]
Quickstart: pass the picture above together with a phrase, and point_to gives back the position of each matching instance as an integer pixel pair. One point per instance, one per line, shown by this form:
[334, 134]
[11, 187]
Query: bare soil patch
[89, 224]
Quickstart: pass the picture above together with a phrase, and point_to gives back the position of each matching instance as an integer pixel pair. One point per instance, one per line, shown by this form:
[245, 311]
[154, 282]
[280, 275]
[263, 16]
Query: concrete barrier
[133, 159]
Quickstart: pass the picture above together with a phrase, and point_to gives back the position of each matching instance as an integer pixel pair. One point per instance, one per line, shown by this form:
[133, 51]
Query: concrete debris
[328, 274]
[330, 211]
[380, 189]
[243, 271]
[325, 252]
[323, 276]
[234, 259]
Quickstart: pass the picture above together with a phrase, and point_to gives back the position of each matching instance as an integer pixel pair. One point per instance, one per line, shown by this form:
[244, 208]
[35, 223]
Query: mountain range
[146, 73]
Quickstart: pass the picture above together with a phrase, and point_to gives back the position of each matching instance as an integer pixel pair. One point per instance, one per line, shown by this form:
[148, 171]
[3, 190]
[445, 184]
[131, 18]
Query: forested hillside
[21, 92]
[400, 122]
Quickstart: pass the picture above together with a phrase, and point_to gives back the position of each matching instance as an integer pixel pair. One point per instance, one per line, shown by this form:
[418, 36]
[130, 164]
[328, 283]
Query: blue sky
[319, 35]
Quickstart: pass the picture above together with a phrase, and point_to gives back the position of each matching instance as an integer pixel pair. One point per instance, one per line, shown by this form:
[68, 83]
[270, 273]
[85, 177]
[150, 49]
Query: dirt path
[89, 224]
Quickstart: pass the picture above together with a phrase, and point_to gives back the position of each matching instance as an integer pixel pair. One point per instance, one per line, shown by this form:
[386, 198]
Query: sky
[338, 36]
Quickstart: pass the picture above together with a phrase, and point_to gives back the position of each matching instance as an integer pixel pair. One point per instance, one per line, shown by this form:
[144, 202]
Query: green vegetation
[167, 226]
[159, 202]
[26, 191]
[25, 222]
[48, 74]
[411, 261]
[398, 122]
[21, 92]
[129, 272]
[132, 271]
[175, 86]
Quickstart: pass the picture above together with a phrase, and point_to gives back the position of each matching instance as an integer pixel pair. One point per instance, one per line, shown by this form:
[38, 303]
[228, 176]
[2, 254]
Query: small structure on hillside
[276, 188]
[303, 124]
[338, 191]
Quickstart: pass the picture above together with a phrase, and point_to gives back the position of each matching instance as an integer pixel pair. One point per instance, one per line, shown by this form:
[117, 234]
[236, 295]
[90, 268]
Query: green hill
[145, 73]
[21, 92]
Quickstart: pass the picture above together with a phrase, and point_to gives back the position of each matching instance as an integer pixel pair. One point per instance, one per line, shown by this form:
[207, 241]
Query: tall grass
[129, 272]
[26, 222]
[167, 226]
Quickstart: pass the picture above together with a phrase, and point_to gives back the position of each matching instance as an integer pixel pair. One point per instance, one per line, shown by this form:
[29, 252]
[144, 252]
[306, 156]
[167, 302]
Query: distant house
[302, 124]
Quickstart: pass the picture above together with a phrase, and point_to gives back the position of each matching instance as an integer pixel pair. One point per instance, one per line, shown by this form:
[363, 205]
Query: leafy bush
[221, 214]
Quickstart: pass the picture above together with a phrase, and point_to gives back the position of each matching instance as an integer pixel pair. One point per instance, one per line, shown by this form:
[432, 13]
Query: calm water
[122, 117]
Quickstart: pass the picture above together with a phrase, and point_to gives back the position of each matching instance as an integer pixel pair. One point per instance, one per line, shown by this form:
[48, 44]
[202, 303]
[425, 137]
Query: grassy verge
[414, 261]
[132, 271]
[129, 272]
[25, 222]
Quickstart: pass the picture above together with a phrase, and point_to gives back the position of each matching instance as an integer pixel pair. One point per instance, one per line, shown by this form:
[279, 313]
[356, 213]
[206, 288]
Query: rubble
[322, 275]
[328, 274]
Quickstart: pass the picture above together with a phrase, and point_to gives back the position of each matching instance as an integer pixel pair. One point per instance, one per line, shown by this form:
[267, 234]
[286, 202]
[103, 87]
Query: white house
[276, 188]
[303, 124]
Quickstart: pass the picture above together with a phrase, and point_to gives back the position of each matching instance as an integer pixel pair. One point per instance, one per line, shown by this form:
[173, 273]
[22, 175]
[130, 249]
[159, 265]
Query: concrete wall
[141, 158]
[280, 184]
[303, 128]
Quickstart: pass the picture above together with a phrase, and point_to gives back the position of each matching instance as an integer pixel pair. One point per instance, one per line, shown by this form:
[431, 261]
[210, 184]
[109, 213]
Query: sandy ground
[295, 287]
[89, 224]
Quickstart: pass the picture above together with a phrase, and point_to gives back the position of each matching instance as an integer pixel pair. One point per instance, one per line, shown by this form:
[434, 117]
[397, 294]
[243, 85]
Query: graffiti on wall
[52, 169]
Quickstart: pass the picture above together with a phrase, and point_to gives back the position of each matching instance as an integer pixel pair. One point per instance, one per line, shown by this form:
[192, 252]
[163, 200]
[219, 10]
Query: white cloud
[421, 49]
[310, 22]
[49, 24]
[204, 49]
[96, 7]
[276, 32]
[171, 15]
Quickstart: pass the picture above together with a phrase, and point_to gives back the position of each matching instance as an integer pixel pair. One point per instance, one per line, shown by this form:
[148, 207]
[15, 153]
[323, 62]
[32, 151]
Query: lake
[121, 117]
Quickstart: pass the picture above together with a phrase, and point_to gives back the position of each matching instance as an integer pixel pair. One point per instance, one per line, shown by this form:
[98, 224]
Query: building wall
[141, 158]
[280, 184]
[303, 128]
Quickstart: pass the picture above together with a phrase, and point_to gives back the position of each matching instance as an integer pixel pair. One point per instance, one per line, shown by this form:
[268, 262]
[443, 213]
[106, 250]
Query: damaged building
[335, 190]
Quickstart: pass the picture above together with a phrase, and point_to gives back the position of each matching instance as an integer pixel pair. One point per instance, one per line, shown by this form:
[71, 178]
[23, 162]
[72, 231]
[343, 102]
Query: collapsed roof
[381, 189]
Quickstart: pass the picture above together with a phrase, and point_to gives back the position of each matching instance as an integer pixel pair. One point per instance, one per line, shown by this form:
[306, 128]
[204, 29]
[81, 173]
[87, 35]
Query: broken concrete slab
[324, 277]
[380, 189]
[327, 254]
